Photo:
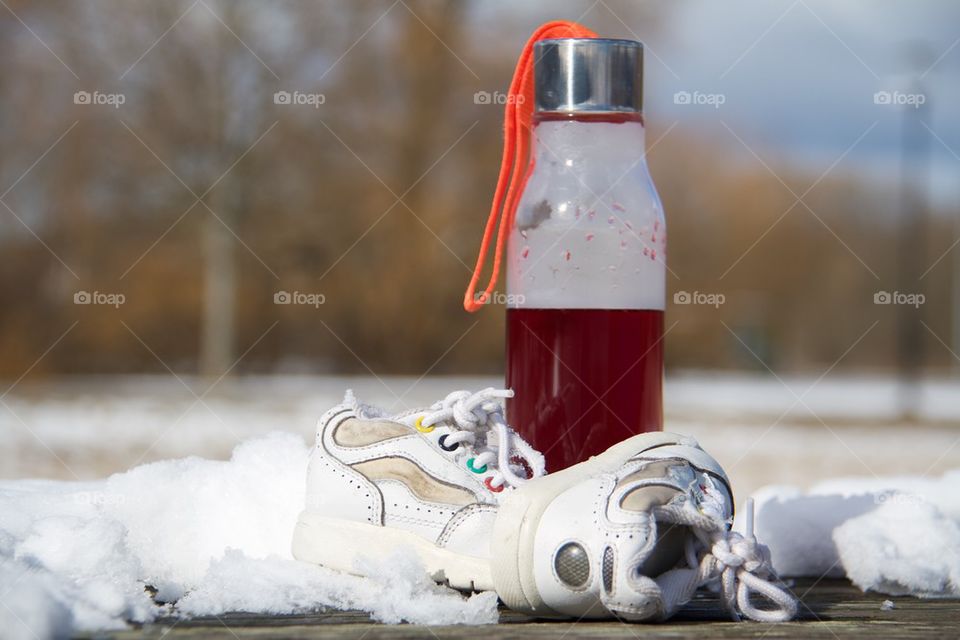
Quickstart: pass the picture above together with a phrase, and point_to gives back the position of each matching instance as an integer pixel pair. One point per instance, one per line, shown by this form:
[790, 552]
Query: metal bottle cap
[588, 75]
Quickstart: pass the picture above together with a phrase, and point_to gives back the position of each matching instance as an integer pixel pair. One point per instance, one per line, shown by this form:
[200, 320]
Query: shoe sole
[519, 515]
[337, 544]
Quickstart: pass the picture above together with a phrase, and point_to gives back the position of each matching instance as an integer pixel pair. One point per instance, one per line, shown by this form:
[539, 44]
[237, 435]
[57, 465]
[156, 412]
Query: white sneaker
[428, 480]
[631, 533]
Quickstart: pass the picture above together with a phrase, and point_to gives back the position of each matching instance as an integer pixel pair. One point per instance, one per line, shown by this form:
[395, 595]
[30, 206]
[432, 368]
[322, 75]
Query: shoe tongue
[525, 461]
[668, 549]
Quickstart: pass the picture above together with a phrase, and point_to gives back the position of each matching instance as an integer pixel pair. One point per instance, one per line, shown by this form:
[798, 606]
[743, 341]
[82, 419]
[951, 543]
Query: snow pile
[401, 591]
[208, 536]
[892, 535]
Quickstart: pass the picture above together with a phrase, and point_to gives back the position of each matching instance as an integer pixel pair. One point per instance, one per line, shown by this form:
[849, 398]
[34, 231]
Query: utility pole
[219, 269]
[911, 249]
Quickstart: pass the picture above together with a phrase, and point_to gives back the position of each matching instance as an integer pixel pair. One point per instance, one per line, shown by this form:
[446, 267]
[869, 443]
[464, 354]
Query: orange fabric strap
[515, 163]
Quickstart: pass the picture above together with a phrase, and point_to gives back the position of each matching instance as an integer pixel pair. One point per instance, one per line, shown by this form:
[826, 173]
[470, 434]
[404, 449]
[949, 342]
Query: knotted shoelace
[737, 561]
[475, 414]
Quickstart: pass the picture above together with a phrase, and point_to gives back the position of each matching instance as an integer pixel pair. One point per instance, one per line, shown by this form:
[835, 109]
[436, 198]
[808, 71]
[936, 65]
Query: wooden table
[832, 609]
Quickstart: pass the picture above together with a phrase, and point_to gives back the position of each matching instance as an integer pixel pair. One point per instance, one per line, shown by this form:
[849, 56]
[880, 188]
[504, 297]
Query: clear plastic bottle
[585, 259]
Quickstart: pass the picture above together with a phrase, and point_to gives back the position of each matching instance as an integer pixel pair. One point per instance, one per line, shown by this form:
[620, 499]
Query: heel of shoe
[328, 542]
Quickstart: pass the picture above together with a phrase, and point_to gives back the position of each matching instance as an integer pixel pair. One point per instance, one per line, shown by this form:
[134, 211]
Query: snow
[868, 398]
[399, 590]
[210, 536]
[902, 548]
[895, 535]
[85, 428]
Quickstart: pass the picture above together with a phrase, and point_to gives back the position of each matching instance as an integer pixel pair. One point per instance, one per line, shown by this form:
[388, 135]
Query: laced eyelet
[443, 443]
[490, 486]
[470, 466]
[422, 429]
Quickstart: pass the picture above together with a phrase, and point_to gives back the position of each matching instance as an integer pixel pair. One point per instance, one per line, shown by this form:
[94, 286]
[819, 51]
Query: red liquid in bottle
[586, 378]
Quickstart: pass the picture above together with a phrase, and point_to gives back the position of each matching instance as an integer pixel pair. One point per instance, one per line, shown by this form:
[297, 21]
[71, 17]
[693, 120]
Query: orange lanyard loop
[515, 164]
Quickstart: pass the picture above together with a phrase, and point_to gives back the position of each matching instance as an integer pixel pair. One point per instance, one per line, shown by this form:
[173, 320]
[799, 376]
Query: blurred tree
[200, 198]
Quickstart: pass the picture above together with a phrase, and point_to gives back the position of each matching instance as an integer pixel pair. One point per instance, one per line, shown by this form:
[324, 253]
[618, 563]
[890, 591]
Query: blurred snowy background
[790, 431]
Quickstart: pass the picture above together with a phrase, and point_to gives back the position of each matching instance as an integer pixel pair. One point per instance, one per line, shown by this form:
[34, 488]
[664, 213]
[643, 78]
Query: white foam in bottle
[589, 230]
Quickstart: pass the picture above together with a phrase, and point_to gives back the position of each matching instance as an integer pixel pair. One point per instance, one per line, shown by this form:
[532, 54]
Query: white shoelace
[474, 413]
[739, 562]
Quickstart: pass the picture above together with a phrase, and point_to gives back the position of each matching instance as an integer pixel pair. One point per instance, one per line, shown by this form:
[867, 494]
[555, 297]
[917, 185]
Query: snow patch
[399, 591]
[898, 535]
[209, 536]
[902, 548]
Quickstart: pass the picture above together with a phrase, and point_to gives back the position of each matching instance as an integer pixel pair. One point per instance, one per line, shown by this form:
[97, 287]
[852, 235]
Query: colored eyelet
[443, 443]
[422, 429]
[491, 487]
[470, 466]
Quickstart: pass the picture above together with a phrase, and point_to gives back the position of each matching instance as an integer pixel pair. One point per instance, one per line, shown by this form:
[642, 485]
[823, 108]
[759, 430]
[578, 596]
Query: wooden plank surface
[831, 609]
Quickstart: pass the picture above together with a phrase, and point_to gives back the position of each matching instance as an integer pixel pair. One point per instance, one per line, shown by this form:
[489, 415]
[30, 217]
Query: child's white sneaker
[631, 533]
[429, 480]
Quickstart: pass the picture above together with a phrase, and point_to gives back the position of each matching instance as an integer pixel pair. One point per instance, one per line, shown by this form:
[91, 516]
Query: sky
[798, 77]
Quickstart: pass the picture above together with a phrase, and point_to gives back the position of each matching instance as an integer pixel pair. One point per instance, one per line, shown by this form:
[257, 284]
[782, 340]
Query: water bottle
[585, 259]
